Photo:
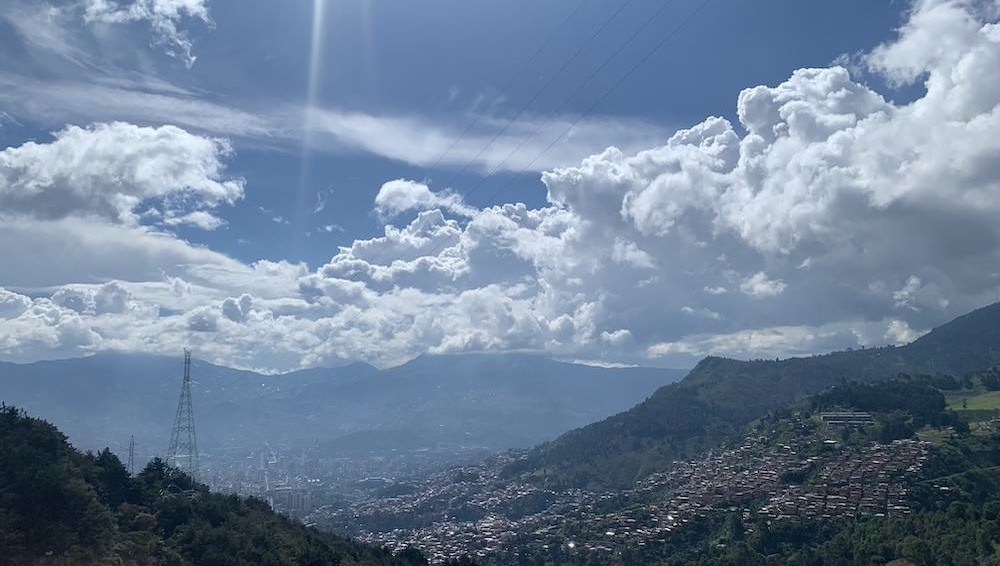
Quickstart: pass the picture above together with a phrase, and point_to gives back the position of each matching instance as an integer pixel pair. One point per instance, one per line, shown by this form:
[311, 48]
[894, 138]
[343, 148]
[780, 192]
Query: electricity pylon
[131, 455]
[183, 451]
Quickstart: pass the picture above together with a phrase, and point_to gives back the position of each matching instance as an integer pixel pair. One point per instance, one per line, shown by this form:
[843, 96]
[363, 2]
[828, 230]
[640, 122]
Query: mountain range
[487, 401]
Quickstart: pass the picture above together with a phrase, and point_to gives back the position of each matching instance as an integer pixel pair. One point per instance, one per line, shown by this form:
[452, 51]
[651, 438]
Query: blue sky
[258, 138]
[450, 61]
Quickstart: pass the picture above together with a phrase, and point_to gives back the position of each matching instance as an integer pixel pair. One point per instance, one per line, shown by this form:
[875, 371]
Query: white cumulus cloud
[758, 285]
[803, 228]
[402, 195]
[899, 332]
[109, 170]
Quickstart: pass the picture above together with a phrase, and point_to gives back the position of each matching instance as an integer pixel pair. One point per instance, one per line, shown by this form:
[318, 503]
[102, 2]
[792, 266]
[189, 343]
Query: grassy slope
[974, 400]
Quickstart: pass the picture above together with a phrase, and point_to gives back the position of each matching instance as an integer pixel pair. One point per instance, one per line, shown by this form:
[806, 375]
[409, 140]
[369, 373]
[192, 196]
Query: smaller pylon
[131, 455]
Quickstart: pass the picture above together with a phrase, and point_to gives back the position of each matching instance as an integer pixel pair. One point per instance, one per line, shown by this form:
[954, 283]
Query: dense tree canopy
[62, 507]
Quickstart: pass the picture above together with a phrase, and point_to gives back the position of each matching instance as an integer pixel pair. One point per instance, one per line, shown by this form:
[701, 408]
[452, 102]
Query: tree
[61, 507]
[410, 556]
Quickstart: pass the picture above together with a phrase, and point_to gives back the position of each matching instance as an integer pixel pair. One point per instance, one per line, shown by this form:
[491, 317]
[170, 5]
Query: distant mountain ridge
[492, 401]
[720, 396]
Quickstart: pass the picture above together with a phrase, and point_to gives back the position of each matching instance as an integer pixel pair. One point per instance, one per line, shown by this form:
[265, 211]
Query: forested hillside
[720, 396]
[61, 507]
[953, 517]
[895, 472]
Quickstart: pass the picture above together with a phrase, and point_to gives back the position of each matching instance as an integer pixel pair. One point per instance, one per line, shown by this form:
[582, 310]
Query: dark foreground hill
[482, 401]
[60, 507]
[721, 396]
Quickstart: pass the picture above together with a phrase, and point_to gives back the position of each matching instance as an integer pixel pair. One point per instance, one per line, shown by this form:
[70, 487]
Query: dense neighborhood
[775, 475]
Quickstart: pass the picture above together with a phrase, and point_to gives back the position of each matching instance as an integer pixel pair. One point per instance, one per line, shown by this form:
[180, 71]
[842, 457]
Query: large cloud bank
[829, 216]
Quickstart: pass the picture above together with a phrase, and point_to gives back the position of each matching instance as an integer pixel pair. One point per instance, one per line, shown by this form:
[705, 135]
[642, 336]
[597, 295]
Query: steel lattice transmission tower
[183, 451]
[131, 455]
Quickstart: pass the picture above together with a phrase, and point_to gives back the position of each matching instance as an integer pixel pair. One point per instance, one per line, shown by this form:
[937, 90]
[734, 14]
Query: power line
[607, 93]
[589, 109]
[539, 92]
[586, 81]
[510, 82]
[593, 106]
[534, 97]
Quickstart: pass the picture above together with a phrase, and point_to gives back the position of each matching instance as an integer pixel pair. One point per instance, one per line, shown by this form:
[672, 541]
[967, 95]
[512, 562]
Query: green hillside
[720, 396]
[59, 506]
[904, 480]
[953, 519]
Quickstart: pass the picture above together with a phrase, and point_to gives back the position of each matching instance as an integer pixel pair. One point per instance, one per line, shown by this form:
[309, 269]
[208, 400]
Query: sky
[293, 184]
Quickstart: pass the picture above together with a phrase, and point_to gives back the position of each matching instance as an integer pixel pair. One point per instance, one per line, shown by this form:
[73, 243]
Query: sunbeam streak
[312, 95]
[315, 57]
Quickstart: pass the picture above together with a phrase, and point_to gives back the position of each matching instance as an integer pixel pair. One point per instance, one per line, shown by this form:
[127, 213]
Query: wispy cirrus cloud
[163, 17]
[82, 88]
[524, 144]
[416, 140]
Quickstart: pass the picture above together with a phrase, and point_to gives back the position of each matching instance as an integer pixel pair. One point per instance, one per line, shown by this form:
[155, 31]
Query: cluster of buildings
[295, 481]
[285, 479]
[871, 483]
[846, 419]
[473, 510]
